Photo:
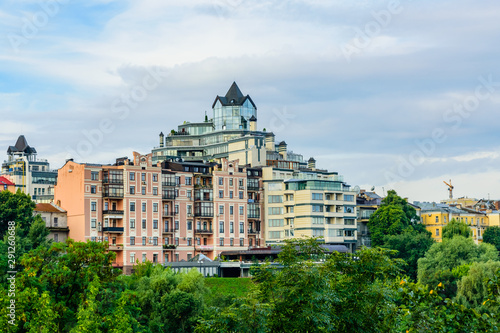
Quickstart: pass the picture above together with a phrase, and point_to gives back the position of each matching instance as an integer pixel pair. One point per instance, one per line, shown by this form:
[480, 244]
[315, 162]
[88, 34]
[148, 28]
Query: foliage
[437, 265]
[473, 289]
[456, 228]
[392, 218]
[411, 245]
[492, 235]
[17, 207]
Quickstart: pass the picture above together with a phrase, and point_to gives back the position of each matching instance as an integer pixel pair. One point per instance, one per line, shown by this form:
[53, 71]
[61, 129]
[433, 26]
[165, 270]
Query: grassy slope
[233, 287]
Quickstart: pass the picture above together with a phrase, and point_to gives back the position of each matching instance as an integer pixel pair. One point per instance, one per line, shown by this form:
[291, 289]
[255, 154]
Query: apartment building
[56, 220]
[7, 185]
[309, 203]
[367, 203]
[435, 216]
[29, 174]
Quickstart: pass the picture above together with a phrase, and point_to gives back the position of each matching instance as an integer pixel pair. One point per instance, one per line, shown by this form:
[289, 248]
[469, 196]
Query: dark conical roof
[21, 146]
[234, 96]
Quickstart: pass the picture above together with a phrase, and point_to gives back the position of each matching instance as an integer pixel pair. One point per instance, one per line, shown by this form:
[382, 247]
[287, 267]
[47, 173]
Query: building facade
[29, 174]
[367, 203]
[56, 220]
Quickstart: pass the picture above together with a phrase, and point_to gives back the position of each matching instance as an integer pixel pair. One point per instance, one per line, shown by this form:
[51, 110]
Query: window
[250, 241]
[349, 221]
[189, 256]
[187, 180]
[190, 225]
[241, 210]
[106, 205]
[437, 232]
[177, 180]
[276, 222]
[155, 240]
[176, 209]
[155, 190]
[221, 241]
[176, 225]
[221, 209]
[198, 241]
[155, 207]
[132, 240]
[221, 194]
[230, 194]
[143, 240]
[155, 177]
[242, 241]
[93, 206]
[56, 220]
[317, 208]
[230, 181]
[93, 189]
[231, 227]
[231, 241]
[189, 194]
[132, 206]
[166, 257]
[275, 210]
[93, 238]
[143, 177]
[221, 181]
[275, 234]
[132, 189]
[94, 175]
[132, 176]
[155, 257]
[189, 241]
[241, 195]
[132, 223]
[143, 206]
[177, 241]
[348, 197]
[241, 182]
[437, 221]
[231, 210]
[155, 224]
[189, 209]
[221, 226]
[132, 258]
[144, 257]
[242, 227]
[143, 223]
[317, 196]
[143, 190]
[92, 223]
[275, 199]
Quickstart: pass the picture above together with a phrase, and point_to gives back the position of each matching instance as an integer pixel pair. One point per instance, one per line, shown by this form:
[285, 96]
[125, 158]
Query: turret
[161, 140]
[311, 164]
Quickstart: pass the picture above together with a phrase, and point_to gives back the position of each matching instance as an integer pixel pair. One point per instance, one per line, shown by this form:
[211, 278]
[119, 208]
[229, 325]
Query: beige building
[55, 219]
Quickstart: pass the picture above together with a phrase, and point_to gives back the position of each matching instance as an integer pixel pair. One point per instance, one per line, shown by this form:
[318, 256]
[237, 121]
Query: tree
[17, 207]
[456, 228]
[392, 218]
[492, 235]
[473, 288]
[411, 245]
[442, 259]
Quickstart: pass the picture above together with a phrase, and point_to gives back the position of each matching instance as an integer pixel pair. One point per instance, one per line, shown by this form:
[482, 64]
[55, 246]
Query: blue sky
[391, 94]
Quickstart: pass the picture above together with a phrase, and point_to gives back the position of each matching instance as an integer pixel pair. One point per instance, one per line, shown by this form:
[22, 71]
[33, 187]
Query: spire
[234, 93]
[21, 143]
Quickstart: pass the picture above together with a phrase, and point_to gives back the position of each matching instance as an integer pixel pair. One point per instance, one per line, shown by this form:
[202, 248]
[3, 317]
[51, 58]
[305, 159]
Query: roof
[48, 208]
[21, 146]
[234, 96]
[5, 181]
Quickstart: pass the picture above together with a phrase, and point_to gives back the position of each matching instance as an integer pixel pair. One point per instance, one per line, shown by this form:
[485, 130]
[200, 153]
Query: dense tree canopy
[492, 235]
[456, 228]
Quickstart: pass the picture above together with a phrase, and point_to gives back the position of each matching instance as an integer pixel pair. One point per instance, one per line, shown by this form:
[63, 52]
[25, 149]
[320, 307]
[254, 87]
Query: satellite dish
[373, 188]
[356, 189]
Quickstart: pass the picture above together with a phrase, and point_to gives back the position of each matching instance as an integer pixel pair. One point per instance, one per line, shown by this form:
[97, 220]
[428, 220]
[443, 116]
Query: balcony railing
[253, 232]
[253, 215]
[167, 231]
[204, 214]
[113, 229]
[115, 247]
[106, 194]
[168, 196]
[168, 183]
[169, 247]
[203, 231]
[204, 248]
[113, 212]
[112, 180]
[168, 214]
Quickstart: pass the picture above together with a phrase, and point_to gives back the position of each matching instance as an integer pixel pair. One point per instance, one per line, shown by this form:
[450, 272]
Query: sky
[392, 94]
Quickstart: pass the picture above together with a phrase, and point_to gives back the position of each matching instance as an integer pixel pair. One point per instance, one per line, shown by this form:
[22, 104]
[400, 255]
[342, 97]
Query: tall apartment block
[299, 200]
[29, 174]
[160, 212]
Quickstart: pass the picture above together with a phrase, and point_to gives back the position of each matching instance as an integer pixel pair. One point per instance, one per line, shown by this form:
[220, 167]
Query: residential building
[29, 174]
[435, 216]
[7, 185]
[367, 203]
[56, 220]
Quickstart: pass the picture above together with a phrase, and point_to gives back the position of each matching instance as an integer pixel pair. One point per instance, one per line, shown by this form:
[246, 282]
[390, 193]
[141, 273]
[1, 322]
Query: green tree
[17, 207]
[392, 218]
[473, 288]
[411, 245]
[456, 228]
[492, 235]
[442, 260]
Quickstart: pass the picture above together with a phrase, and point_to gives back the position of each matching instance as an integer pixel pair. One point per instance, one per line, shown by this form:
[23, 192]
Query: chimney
[311, 164]
[253, 123]
[161, 140]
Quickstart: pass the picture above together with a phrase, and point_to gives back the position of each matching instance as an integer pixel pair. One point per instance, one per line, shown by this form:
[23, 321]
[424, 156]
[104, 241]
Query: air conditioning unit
[291, 226]
[143, 183]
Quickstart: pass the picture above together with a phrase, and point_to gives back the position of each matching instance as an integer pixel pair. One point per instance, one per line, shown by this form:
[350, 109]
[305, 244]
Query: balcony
[253, 232]
[117, 181]
[203, 231]
[113, 212]
[115, 247]
[169, 195]
[199, 186]
[204, 214]
[169, 247]
[253, 188]
[169, 183]
[253, 216]
[167, 231]
[113, 194]
[168, 214]
[204, 248]
[117, 230]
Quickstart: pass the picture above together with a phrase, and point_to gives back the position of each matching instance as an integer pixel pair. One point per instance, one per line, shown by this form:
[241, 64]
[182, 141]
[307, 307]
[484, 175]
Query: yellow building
[436, 216]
